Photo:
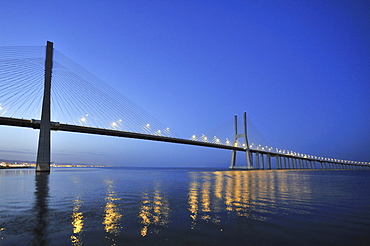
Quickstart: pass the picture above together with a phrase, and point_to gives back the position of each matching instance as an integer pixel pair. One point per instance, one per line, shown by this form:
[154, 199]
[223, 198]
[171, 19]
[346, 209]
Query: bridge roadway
[109, 132]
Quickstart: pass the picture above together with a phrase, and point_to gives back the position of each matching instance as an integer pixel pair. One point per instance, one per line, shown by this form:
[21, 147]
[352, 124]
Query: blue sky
[300, 69]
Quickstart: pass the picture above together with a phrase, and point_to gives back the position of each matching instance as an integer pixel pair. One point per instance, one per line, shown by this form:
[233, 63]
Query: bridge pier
[43, 152]
[268, 160]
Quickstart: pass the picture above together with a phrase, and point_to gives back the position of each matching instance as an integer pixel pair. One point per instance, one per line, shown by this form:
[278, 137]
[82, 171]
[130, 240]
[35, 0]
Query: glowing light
[83, 119]
[216, 140]
[147, 125]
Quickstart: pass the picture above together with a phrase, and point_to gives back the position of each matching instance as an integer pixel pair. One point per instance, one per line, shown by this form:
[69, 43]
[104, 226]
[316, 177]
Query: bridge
[256, 157]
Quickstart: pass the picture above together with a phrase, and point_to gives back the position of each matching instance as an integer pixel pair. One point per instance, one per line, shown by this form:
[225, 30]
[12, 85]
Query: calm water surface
[138, 206]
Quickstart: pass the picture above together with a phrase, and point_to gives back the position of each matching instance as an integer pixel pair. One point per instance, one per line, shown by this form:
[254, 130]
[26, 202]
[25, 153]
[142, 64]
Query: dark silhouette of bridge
[256, 158]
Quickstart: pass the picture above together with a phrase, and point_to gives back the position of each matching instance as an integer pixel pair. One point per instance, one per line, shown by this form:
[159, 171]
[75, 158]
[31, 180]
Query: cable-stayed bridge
[74, 100]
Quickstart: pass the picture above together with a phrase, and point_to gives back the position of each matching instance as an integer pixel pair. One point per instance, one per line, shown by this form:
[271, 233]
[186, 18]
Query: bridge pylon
[243, 135]
[43, 152]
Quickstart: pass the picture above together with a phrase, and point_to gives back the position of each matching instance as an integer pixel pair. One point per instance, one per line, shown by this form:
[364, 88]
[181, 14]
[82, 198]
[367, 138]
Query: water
[163, 206]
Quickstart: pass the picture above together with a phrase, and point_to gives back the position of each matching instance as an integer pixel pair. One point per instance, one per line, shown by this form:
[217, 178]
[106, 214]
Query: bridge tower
[43, 152]
[245, 138]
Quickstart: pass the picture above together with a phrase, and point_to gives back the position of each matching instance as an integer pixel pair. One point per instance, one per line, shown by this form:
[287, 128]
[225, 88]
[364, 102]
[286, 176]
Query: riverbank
[13, 167]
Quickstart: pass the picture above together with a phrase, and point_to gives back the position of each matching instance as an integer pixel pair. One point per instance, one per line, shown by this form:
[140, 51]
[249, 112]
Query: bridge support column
[243, 135]
[43, 152]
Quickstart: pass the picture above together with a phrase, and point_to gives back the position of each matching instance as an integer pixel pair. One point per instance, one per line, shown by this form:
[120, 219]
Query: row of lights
[216, 140]
[118, 123]
[296, 154]
[165, 132]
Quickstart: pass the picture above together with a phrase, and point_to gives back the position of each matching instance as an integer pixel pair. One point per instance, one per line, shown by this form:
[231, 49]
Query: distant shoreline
[14, 167]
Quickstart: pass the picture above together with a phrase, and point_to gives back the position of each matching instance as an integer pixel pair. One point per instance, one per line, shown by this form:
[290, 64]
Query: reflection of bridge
[256, 158]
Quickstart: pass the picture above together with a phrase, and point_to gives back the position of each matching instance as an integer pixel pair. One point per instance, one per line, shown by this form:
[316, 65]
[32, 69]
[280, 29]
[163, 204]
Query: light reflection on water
[112, 213]
[116, 206]
[247, 194]
[77, 223]
[154, 210]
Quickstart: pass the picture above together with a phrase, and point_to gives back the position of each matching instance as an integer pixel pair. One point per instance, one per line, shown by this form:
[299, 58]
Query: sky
[300, 69]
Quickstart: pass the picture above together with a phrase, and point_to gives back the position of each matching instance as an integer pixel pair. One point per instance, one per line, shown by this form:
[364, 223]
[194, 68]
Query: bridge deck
[109, 132]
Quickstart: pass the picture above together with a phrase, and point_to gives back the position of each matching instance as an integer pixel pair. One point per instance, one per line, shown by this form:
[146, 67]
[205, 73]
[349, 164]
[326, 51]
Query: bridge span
[259, 159]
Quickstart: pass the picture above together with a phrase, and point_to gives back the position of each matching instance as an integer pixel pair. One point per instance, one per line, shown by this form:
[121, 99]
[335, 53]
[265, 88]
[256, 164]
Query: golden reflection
[154, 210]
[251, 194]
[2, 229]
[77, 222]
[112, 215]
[193, 201]
[206, 194]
